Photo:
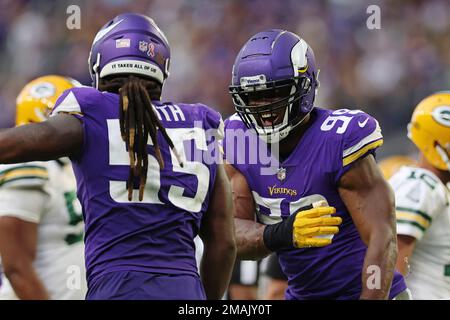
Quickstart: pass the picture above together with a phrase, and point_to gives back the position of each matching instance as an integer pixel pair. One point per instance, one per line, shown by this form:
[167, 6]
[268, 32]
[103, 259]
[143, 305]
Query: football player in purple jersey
[144, 200]
[326, 161]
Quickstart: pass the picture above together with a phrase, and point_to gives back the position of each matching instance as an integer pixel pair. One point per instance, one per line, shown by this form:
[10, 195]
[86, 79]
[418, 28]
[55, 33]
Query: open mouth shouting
[271, 119]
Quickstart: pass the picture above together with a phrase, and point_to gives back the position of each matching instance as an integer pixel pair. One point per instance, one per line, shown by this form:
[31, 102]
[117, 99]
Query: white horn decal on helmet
[105, 31]
[298, 57]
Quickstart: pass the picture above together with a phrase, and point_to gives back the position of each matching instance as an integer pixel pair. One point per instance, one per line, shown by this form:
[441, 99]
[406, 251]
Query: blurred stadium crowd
[385, 72]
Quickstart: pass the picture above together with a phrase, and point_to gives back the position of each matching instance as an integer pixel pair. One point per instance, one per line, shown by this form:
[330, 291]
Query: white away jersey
[43, 193]
[423, 212]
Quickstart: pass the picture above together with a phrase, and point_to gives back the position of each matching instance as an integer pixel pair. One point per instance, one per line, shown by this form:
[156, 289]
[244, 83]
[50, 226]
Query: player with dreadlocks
[144, 200]
[137, 120]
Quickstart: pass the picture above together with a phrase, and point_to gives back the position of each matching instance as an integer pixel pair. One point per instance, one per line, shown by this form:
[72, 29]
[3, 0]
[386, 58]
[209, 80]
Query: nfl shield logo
[281, 174]
[143, 46]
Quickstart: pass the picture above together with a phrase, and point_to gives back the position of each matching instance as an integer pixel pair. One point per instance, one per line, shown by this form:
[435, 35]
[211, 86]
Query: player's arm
[406, 245]
[217, 233]
[61, 135]
[249, 233]
[370, 201]
[18, 240]
[256, 241]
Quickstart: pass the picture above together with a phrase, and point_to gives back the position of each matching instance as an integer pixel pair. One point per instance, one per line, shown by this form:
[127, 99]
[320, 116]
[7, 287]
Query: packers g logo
[42, 90]
[442, 115]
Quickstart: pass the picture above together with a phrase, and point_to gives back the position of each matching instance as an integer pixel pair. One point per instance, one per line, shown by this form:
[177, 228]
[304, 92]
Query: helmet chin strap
[276, 137]
[443, 155]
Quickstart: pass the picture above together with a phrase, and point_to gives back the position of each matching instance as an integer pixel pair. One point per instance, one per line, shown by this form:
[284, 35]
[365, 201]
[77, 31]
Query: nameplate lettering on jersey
[170, 112]
[276, 190]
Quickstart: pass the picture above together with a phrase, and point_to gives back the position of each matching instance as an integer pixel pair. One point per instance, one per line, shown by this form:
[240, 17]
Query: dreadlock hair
[138, 119]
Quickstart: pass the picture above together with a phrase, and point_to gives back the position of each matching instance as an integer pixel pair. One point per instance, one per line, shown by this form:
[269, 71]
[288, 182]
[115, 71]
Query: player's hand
[315, 227]
[311, 226]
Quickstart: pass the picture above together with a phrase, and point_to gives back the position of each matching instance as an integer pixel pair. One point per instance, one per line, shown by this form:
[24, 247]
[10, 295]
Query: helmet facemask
[275, 119]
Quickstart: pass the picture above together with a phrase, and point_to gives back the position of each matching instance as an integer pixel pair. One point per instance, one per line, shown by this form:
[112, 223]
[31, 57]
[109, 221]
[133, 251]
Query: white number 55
[119, 156]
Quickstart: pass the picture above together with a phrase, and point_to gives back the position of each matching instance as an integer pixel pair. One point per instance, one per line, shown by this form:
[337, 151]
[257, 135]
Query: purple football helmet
[278, 67]
[129, 44]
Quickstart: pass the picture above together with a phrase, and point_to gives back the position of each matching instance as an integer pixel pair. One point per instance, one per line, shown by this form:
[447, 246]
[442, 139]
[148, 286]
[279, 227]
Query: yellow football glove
[311, 226]
[315, 227]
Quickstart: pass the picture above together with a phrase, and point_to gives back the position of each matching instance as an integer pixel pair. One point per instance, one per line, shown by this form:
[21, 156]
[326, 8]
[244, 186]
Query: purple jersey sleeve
[231, 124]
[83, 103]
[212, 119]
[361, 137]
[241, 145]
[73, 101]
